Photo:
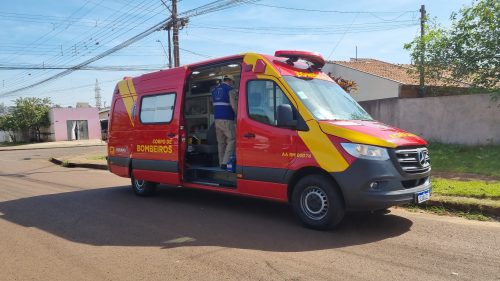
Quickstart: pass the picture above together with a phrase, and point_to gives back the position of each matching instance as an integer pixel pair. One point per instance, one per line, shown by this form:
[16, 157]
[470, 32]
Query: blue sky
[65, 33]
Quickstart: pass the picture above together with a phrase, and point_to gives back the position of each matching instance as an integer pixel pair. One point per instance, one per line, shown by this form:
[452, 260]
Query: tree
[349, 86]
[32, 113]
[3, 109]
[468, 51]
[8, 124]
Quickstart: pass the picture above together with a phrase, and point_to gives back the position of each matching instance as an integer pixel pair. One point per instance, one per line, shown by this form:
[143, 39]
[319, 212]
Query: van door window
[157, 108]
[263, 99]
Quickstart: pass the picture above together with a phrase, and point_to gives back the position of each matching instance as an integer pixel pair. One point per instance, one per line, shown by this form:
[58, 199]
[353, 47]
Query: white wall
[52, 127]
[462, 119]
[370, 87]
[4, 137]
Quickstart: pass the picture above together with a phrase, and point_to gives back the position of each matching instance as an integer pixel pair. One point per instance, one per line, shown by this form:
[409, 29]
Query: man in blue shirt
[224, 102]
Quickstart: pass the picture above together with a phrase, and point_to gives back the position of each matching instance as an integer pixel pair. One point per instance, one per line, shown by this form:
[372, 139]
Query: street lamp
[165, 52]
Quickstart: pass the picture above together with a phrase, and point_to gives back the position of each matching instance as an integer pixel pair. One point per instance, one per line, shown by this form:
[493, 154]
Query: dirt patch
[465, 176]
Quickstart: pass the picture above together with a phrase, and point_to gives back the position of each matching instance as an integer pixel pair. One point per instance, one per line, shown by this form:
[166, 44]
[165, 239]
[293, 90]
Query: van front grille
[413, 160]
[414, 183]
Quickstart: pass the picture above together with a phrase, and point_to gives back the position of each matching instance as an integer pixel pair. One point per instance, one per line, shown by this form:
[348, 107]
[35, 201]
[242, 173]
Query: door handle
[170, 135]
[249, 135]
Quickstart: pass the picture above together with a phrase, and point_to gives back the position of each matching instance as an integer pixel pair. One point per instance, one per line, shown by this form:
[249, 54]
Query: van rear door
[157, 137]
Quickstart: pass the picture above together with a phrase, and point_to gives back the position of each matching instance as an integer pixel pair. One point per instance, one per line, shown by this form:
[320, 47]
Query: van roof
[281, 67]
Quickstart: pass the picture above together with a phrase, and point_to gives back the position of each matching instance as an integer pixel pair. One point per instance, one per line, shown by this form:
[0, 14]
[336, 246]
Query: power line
[89, 61]
[77, 87]
[320, 29]
[103, 68]
[196, 53]
[55, 27]
[331, 11]
[307, 27]
[207, 8]
[21, 76]
[99, 37]
[319, 32]
[343, 35]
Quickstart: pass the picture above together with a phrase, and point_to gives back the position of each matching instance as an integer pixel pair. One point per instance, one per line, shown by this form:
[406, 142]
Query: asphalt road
[78, 224]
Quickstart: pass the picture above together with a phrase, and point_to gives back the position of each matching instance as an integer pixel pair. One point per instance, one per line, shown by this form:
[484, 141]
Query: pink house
[74, 124]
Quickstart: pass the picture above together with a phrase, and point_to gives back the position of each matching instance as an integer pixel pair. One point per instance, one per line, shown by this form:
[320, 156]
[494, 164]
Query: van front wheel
[317, 202]
[142, 187]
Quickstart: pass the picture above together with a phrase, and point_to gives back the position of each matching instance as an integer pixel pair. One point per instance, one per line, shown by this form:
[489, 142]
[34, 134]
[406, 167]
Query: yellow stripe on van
[356, 137]
[322, 148]
[129, 96]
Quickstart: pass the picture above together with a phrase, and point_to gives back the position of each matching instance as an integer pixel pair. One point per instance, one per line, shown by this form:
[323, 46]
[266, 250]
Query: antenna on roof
[356, 53]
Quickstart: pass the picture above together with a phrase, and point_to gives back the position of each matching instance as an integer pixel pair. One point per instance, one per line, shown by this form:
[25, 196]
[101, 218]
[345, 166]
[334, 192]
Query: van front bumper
[375, 185]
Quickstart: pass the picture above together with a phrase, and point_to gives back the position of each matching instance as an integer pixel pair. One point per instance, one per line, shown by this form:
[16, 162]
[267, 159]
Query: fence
[460, 119]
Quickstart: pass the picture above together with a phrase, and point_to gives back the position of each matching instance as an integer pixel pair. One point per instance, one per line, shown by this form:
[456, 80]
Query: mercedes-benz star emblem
[422, 158]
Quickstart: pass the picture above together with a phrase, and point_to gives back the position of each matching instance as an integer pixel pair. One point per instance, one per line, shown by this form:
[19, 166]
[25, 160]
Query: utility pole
[169, 49]
[175, 35]
[421, 89]
[97, 90]
[167, 27]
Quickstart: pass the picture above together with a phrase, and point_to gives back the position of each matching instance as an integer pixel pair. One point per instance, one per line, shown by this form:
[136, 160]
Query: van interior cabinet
[199, 116]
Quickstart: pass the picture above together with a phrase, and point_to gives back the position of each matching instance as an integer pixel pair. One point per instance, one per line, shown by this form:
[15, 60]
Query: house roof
[401, 73]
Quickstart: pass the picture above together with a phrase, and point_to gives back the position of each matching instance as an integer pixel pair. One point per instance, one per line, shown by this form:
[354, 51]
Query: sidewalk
[54, 144]
[81, 161]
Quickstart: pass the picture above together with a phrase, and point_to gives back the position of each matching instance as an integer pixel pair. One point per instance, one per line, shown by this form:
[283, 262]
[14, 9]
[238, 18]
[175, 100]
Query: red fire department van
[299, 138]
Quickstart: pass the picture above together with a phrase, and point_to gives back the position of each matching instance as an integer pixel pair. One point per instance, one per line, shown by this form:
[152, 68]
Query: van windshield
[326, 100]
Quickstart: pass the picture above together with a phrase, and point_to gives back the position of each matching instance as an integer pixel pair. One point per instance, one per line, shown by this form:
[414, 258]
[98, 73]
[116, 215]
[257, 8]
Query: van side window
[157, 108]
[263, 98]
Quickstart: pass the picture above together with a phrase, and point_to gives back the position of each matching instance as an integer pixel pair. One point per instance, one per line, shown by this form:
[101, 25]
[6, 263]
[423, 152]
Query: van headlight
[364, 151]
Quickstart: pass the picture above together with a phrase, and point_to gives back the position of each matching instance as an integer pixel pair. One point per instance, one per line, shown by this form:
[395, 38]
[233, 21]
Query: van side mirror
[285, 116]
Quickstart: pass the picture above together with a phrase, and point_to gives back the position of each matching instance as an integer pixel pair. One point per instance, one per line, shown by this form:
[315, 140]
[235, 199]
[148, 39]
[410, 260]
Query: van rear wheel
[142, 187]
[317, 202]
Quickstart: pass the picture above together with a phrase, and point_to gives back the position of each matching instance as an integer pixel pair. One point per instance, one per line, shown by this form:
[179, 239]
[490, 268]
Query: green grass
[96, 157]
[12, 143]
[473, 188]
[446, 211]
[482, 160]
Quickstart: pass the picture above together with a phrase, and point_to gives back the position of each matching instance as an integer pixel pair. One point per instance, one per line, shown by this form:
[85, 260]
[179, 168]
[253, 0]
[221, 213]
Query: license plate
[423, 196]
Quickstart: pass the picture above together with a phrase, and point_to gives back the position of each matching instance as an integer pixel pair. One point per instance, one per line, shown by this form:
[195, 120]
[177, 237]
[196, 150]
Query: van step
[214, 183]
[213, 176]
[206, 183]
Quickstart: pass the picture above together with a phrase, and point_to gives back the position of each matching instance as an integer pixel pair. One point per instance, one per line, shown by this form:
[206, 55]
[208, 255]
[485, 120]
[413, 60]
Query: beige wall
[370, 87]
[104, 114]
[464, 119]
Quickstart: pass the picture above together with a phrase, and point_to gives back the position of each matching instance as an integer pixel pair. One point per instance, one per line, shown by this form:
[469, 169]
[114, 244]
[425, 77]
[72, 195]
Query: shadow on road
[183, 217]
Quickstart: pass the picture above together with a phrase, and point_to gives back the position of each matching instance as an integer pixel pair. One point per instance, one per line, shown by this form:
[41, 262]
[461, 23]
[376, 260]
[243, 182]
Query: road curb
[69, 164]
[466, 208]
[35, 148]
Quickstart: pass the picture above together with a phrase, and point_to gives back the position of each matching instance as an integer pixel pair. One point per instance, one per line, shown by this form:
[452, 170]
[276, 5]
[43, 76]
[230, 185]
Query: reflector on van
[315, 58]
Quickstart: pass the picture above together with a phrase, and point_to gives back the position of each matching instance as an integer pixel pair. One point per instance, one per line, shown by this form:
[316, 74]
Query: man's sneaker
[223, 166]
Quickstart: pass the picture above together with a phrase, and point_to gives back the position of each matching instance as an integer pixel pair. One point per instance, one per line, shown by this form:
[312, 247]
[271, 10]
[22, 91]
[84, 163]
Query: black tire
[381, 212]
[142, 187]
[317, 202]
